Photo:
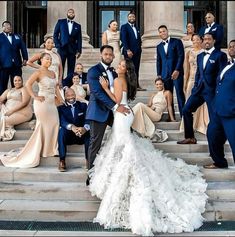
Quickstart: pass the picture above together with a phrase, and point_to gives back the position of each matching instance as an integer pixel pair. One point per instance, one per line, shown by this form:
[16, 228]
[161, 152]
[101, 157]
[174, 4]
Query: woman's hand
[8, 113]
[104, 83]
[39, 98]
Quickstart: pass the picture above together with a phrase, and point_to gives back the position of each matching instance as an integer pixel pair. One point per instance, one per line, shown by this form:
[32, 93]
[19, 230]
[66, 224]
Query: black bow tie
[205, 53]
[70, 21]
[8, 34]
[132, 25]
[110, 69]
[231, 61]
[165, 42]
[208, 26]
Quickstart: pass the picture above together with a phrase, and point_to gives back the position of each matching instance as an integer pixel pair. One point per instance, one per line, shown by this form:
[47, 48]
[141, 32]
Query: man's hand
[81, 131]
[24, 63]
[175, 75]
[129, 53]
[122, 109]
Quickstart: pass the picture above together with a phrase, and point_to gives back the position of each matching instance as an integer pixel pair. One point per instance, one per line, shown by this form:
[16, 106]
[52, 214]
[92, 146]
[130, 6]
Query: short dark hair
[211, 12]
[75, 74]
[162, 26]
[232, 41]
[131, 12]
[158, 78]
[196, 35]
[106, 46]
[8, 22]
[210, 33]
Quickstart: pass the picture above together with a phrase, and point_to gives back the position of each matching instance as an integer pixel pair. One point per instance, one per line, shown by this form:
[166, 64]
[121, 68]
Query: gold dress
[144, 116]
[113, 39]
[200, 117]
[43, 142]
[7, 123]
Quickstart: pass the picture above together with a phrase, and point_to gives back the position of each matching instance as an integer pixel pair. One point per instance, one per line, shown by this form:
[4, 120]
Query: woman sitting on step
[15, 108]
[146, 115]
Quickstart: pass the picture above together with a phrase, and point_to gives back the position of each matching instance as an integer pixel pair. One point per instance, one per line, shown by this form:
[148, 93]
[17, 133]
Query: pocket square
[214, 29]
[79, 114]
[17, 37]
[212, 61]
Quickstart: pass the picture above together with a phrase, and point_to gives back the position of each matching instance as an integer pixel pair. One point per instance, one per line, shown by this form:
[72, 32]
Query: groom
[100, 108]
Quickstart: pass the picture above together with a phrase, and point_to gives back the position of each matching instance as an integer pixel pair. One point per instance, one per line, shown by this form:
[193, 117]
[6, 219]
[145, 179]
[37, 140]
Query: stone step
[78, 174]
[167, 147]
[59, 210]
[77, 191]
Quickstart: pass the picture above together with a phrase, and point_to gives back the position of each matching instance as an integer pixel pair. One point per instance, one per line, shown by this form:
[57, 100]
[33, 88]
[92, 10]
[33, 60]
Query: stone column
[3, 11]
[230, 20]
[57, 10]
[156, 13]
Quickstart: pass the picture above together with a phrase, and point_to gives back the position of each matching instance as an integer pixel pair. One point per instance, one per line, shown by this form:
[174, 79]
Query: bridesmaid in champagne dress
[146, 115]
[200, 117]
[43, 142]
[112, 37]
[56, 64]
[15, 108]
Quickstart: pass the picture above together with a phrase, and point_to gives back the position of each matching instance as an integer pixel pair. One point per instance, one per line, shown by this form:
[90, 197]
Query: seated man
[74, 129]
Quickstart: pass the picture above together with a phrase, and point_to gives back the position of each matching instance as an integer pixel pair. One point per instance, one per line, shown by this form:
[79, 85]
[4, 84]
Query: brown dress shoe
[188, 141]
[62, 166]
[141, 89]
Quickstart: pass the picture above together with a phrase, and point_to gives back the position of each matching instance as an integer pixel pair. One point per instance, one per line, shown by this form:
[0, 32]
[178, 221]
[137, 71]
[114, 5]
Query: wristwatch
[69, 126]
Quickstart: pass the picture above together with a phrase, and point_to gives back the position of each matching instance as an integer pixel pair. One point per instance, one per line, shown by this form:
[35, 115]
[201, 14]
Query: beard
[71, 101]
[106, 63]
[70, 17]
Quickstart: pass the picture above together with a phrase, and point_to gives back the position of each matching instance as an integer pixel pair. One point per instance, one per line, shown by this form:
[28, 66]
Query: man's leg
[97, 131]
[71, 60]
[4, 78]
[136, 62]
[63, 56]
[193, 102]
[216, 138]
[178, 83]
[229, 128]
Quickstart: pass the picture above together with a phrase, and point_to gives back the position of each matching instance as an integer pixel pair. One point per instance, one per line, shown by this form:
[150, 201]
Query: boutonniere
[17, 37]
[75, 28]
[104, 74]
[212, 61]
[214, 29]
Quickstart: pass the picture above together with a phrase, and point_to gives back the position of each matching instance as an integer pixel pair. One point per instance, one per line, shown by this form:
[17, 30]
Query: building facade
[35, 19]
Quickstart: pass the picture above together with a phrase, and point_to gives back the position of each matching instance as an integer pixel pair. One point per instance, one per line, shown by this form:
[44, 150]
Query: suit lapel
[208, 61]
[66, 26]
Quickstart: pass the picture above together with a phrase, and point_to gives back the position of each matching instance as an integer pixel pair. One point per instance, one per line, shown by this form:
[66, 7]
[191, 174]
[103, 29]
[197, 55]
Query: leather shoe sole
[213, 166]
[188, 141]
[62, 166]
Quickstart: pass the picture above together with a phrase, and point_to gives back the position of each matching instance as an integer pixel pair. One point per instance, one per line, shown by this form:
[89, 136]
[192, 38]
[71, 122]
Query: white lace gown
[141, 188]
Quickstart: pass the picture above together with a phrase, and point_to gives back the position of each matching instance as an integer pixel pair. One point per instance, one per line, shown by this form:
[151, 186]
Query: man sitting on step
[74, 129]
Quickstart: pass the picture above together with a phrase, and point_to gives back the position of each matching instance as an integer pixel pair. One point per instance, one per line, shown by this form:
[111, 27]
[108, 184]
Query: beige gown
[113, 39]
[7, 123]
[144, 116]
[43, 142]
[200, 117]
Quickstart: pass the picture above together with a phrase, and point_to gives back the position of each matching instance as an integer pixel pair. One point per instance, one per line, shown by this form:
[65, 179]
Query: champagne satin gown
[7, 123]
[201, 116]
[144, 116]
[43, 142]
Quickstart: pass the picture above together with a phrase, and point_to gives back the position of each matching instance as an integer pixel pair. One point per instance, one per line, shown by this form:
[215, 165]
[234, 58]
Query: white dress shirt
[226, 69]
[208, 28]
[134, 29]
[70, 26]
[165, 44]
[9, 37]
[206, 57]
[109, 74]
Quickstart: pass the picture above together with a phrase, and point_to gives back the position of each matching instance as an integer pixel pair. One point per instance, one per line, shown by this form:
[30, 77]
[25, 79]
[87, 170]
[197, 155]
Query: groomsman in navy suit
[170, 60]
[100, 108]
[131, 42]
[68, 40]
[74, 128]
[209, 65]
[12, 51]
[222, 125]
[214, 28]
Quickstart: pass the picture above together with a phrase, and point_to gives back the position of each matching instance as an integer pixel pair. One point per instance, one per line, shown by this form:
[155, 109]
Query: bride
[140, 187]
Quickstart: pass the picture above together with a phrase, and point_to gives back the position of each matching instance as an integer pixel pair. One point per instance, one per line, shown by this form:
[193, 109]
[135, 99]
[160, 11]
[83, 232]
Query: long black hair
[131, 79]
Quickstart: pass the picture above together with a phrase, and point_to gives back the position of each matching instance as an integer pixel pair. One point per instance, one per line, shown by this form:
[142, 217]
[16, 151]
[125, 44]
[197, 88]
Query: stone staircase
[43, 193]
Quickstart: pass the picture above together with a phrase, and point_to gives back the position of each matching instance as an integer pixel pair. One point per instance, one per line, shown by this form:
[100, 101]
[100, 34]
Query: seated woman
[146, 115]
[78, 88]
[15, 108]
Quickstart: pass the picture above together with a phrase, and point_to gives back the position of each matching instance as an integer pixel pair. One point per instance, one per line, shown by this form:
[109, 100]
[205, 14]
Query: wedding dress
[141, 188]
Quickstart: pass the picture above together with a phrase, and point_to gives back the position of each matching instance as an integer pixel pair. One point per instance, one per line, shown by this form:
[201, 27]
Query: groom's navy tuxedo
[222, 125]
[67, 137]
[99, 110]
[204, 87]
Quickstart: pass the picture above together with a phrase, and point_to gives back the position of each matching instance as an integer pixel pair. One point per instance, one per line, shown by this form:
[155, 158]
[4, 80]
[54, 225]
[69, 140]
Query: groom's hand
[123, 109]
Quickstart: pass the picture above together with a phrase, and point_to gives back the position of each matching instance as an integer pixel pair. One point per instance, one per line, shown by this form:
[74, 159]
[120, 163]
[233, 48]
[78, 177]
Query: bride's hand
[104, 82]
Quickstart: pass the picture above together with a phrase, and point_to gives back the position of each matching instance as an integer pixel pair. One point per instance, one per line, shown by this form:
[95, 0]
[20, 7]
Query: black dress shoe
[88, 181]
[141, 89]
